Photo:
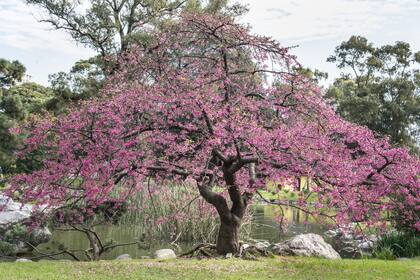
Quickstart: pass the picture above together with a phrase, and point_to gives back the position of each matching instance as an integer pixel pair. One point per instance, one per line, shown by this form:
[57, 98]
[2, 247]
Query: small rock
[331, 233]
[163, 254]
[348, 236]
[23, 260]
[365, 246]
[123, 257]
[228, 256]
[243, 248]
[262, 245]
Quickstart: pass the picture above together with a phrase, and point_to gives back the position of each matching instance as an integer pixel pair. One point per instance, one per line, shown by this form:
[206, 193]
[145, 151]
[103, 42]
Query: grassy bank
[268, 268]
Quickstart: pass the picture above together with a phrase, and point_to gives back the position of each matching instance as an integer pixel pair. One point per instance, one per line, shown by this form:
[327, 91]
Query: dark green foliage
[111, 27]
[215, 7]
[7, 249]
[384, 253]
[112, 211]
[379, 88]
[401, 245]
[17, 102]
[10, 72]
[83, 82]
[16, 233]
[10, 238]
[106, 212]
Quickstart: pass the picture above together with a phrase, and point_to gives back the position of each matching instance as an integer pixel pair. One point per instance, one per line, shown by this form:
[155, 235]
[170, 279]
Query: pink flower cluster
[204, 93]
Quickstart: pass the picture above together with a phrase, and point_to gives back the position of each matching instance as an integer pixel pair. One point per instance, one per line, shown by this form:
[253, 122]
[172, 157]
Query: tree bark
[95, 251]
[230, 219]
[228, 237]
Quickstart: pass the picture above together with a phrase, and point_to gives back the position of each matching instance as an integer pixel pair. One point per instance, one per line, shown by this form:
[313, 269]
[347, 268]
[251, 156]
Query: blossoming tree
[210, 103]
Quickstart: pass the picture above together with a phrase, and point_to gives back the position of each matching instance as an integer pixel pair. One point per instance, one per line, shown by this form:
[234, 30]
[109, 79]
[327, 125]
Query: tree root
[208, 251]
[203, 250]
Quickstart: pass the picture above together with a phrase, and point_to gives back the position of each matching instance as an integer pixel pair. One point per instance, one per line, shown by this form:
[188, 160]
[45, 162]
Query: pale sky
[317, 26]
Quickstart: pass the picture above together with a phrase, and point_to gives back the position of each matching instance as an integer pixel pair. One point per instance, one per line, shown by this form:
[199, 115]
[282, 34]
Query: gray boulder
[309, 245]
[13, 216]
[40, 235]
[351, 241]
[163, 254]
[262, 245]
[12, 212]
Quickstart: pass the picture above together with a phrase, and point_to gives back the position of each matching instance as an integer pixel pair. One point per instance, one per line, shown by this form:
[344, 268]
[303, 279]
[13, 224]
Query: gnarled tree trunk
[95, 249]
[228, 237]
[230, 218]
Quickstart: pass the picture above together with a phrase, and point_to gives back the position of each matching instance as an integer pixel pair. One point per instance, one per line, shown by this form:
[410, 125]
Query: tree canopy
[210, 103]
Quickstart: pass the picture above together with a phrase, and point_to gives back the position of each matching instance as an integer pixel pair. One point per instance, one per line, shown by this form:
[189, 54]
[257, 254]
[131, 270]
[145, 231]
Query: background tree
[106, 26]
[213, 7]
[17, 103]
[110, 27]
[188, 108]
[379, 88]
[84, 81]
[10, 72]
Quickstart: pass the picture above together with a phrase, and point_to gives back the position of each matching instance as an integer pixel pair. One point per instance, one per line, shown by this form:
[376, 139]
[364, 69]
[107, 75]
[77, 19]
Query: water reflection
[264, 225]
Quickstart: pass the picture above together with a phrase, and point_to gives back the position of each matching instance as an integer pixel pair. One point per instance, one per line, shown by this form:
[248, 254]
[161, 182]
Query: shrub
[384, 253]
[402, 245]
[7, 249]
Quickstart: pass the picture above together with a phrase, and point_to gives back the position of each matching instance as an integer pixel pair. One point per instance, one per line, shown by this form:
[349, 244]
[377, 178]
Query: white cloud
[316, 25]
[20, 29]
[305, 20]
[293, 20]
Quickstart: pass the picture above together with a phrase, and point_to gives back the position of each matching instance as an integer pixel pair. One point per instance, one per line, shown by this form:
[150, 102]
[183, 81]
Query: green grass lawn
[267, 268]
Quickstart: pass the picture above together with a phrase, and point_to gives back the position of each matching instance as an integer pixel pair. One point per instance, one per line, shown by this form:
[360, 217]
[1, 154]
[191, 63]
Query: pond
[264, 226]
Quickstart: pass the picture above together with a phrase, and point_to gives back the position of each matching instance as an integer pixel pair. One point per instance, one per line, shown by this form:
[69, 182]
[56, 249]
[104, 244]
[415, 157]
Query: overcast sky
[317, 26]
